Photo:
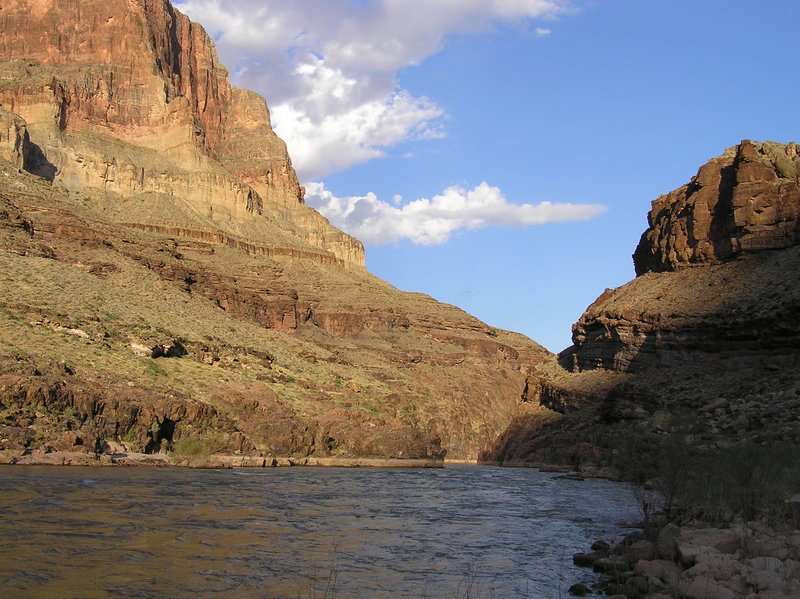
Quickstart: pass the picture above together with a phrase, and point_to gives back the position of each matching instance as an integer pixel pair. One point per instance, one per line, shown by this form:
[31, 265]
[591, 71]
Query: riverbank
[585, 471]
[744, 560]
[133, 459]
[717, 524]
[127, 459]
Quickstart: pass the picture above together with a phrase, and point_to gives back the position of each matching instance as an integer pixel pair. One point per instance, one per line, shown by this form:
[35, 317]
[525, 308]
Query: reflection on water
[293, 532]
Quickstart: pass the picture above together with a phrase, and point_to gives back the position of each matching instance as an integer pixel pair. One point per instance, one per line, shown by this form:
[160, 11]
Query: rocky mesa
[165, 289]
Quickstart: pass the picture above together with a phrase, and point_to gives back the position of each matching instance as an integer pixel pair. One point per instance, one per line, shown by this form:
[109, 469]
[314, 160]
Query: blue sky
[433, 130]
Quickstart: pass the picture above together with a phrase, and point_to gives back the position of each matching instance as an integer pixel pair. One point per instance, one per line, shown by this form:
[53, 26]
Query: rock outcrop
[727, 223]
[744, 201]
[14, 140]
[702, 344]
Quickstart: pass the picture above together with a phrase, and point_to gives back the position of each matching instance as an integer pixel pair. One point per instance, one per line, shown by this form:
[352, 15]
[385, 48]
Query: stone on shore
[749, 561]
[579, 590]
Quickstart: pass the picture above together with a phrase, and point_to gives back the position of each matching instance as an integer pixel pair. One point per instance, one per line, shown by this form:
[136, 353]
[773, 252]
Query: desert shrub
[198, 447]
[748, 481]
[636, 456]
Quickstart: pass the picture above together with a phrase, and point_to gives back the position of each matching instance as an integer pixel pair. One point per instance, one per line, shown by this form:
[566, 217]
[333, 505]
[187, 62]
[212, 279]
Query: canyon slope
[703, 343]
[165, 289]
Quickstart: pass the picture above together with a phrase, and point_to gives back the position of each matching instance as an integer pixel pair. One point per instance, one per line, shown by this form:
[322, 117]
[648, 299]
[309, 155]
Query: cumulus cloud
[329, 67]
[332, 142]
[432, 221]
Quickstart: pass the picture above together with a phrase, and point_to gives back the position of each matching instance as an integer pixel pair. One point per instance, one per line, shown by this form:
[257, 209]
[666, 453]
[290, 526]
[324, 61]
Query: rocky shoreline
[743, 561]
[64, 458]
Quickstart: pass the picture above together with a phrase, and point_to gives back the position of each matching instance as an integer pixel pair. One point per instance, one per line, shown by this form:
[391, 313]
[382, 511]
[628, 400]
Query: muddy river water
[456, 532]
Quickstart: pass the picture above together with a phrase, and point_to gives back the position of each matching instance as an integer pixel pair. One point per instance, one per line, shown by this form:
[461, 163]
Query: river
[458, 532]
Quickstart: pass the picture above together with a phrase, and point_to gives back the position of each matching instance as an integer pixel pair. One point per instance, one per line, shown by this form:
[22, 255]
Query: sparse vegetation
[199, 447]
[748, 481]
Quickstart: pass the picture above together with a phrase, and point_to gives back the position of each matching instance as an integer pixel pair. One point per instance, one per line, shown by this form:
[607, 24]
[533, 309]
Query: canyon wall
[129, 97]
[711, 269]
[165, 289]
[701, 348]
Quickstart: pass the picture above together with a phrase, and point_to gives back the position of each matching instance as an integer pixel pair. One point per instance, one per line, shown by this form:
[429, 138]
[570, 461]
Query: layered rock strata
[129, 97]
[746, 200]
[702, 344]
[165, 289]
[729, 223]
[159, 342]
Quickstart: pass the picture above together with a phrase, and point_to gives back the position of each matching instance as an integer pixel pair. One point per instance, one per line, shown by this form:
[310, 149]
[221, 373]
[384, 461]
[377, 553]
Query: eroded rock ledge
[711, 270]
[66, 458]
[746, 200]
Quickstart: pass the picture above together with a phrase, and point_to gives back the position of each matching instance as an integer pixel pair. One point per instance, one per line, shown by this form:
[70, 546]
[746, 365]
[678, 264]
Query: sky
[502, 155]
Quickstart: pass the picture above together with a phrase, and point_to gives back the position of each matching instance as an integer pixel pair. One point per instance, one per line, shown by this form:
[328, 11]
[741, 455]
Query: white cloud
[329, 67]
[335, 141]
[433, 221]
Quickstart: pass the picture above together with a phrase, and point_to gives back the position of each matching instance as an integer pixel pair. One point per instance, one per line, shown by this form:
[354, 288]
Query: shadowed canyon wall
[711, 278]
[703, 343]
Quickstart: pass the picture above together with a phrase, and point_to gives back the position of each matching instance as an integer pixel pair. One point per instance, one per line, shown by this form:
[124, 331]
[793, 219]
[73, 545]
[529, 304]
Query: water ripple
[457, 532]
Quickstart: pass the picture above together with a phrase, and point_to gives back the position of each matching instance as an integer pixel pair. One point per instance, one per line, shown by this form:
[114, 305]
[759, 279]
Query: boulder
[612, 565]
[665, 542]
[579, 590]
[658, 572]
[587, 560]
[765, 581]
[704, 588]
[691, 543]
[640, 550]
[601, 546]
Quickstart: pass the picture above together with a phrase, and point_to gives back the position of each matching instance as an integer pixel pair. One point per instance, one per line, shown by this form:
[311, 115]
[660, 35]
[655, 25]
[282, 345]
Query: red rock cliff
[141, 73]
[746, 200]
[175, 230]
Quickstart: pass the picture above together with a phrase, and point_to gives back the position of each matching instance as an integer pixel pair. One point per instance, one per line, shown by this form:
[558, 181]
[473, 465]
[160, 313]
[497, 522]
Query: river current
[458, 532]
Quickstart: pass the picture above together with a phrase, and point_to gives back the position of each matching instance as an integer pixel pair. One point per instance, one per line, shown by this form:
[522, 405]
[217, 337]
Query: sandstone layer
[164, 288]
